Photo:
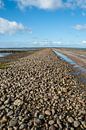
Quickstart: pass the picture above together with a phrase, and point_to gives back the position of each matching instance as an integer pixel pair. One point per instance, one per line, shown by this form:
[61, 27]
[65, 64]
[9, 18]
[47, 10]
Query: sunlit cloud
[84, 42]
[80, 27]
[52, 4]
[11, 27]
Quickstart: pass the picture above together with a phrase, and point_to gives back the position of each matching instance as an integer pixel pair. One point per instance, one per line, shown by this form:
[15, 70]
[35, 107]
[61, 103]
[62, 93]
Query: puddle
[65, 58]
[4, 54]
[79, 69]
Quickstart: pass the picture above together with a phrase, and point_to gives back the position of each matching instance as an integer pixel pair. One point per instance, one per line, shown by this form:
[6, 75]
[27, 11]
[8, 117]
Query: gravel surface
[39, 93]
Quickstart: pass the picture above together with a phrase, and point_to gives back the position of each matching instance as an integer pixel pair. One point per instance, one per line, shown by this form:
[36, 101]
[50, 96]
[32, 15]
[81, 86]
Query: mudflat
[38, 92]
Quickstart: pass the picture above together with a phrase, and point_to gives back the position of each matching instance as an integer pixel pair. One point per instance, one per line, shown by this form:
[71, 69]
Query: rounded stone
[10, 128]
[4, 119]
[41, 117]
[47, 112]
[52, 128]
[18, 102]
[51, 122]
[22, 126]
[13, 122]
[70, 120]
[76, 124]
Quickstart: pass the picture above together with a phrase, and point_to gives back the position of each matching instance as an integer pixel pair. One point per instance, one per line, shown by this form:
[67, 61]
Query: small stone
[7, 101]
[10, 128]
[37, 122]
[41, 117]
[51, 122]
[53, 112]
[84, 124]
[71, 128]
[13, 122]
[36, 114]
[4, 119]
[22, 126]
[52, 128]
[59, 123]
[10, 113]
[47, 112]
[70, 120]
[76, 124]
[18, 102]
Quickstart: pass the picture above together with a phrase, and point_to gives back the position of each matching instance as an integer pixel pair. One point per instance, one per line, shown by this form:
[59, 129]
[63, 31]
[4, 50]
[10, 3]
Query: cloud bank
[11, 27]
[52, 4]
[42, 4]
[84, 41]
[80, 27]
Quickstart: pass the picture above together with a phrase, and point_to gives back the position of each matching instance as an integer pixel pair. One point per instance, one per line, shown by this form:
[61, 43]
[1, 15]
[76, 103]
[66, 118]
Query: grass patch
[4, 65]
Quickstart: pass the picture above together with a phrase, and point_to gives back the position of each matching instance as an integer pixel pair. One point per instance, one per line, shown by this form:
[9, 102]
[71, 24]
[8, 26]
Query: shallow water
[79, 69]
[4, 54]
[65, 58]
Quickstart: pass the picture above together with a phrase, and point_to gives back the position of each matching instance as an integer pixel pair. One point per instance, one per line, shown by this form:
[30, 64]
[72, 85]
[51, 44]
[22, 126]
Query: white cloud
[84, 41]
[52, 4]
[42, 4]
[1, 3]
[49, 4]
[80, 27]
[11, 27]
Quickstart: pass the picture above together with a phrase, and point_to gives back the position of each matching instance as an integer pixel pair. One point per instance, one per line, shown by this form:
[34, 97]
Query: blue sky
[30, 23]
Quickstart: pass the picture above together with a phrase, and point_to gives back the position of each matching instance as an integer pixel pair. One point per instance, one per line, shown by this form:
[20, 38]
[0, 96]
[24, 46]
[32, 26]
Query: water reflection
[4, 54]
[80, 70]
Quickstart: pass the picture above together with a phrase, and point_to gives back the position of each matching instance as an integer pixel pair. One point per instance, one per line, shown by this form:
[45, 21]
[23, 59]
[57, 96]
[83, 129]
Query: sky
[42, 23]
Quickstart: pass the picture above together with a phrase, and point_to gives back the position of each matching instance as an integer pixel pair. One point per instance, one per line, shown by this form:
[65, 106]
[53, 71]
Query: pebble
[41, 117]
[51, 122]
[13, 122]
[76, 124]
[22, 126]
[84, 124]
[37, 122]
[52, 128]
[10, 128]
[70, 120]
[18, 102]
[47, 112]
[4, 119]
[10, 113]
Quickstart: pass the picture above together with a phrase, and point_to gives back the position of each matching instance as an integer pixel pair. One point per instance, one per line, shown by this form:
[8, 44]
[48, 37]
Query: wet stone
[41, 117]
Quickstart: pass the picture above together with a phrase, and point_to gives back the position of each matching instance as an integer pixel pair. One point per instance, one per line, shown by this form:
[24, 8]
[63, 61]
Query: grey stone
[51, 122]
[76, 124]
[52, 128]
[13, 122]
[70, 120]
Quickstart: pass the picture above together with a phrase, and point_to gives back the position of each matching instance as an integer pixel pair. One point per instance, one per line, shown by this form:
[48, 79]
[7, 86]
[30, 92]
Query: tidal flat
[39, 92]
